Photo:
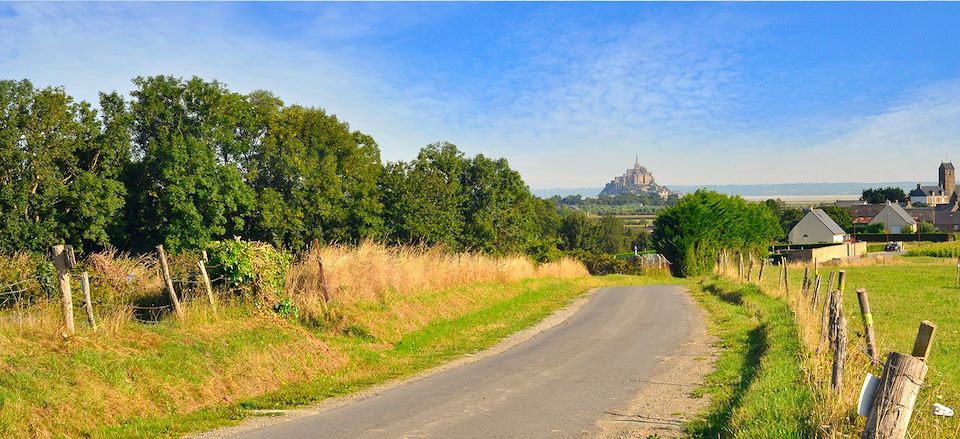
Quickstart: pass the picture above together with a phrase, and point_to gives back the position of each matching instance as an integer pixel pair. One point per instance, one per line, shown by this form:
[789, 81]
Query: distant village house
[895, 219]
[816, 227]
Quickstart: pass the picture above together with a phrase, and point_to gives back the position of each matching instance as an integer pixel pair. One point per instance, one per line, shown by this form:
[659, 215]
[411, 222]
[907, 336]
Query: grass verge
[758, 388]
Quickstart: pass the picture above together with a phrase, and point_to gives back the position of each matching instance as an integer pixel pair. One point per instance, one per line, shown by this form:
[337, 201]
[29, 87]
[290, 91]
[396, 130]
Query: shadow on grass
[717, 422]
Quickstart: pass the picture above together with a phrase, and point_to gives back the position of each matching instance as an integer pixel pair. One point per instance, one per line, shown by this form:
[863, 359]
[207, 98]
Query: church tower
[948, 178]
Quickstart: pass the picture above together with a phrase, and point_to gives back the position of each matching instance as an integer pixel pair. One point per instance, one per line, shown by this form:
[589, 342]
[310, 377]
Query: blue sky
[568, 92]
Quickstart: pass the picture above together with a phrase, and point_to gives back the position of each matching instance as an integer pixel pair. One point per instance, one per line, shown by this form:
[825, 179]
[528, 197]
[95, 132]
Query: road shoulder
[665, 402]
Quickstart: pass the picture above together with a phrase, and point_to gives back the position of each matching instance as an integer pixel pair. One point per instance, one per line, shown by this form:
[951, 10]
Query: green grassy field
[167, 380]
[901, 295]
[903, 291]
[757, 389]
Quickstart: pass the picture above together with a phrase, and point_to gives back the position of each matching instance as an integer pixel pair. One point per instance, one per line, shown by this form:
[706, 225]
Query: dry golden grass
[369, 271]
[52, 385]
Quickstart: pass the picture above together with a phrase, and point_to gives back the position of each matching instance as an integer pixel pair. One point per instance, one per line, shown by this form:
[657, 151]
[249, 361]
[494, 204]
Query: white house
[816, 227]
[895, 219]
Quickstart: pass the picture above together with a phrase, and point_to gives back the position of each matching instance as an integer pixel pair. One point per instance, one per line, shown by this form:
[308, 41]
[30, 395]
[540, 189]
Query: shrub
[251, 268]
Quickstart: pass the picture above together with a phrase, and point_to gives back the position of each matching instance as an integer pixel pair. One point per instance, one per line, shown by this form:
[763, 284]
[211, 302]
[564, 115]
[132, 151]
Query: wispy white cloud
[568, 104]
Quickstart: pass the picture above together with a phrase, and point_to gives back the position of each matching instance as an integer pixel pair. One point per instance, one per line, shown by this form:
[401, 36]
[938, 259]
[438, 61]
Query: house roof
[827, 221]
[947, 214]
[901, 213]
[926, 191]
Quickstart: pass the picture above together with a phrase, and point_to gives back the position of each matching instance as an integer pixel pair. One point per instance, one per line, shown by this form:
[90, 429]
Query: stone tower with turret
[948, 178]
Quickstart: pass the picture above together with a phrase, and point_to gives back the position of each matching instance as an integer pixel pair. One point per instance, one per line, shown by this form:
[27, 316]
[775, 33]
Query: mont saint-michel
[637, 180]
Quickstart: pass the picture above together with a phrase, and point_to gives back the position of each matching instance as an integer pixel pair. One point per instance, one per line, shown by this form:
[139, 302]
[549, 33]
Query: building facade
[944, 193]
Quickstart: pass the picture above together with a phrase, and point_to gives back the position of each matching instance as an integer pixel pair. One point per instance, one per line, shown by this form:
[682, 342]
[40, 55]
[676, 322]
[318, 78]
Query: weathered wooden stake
[864, 300]
[740, 266]
[806, 280]
[63, 260]
[839, 354]
[763, 264]
[816, 293]
[750, 269]
[323, 278]
[900, 384]
[924, 340]
[165, 270]
[836, 313]
[780, 277]
[207, 285]
[87, 303]
[786, 279]
[841, 280]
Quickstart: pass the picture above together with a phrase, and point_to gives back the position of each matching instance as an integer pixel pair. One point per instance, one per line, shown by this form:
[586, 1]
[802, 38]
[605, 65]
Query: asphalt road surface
[558, 384]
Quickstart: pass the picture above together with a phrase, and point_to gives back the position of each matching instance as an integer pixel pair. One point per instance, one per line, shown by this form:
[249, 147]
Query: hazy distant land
[807, 191]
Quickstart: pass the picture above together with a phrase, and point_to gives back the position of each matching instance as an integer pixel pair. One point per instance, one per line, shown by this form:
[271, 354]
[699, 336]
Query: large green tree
[314, 179]
[423, 199]
[185, 190]
[59, 168]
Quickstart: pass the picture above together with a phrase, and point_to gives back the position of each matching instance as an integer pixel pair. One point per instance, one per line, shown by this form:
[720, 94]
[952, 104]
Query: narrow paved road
[560, 383]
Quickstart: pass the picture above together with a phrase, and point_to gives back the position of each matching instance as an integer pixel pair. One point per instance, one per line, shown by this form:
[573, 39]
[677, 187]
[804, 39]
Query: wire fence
[26, 291]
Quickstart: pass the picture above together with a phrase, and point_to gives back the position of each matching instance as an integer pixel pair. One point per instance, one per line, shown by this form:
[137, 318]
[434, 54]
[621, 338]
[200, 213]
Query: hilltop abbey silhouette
[637, 180]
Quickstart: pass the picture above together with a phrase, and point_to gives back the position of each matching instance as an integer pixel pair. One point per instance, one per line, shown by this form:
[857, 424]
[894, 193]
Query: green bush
[251, 268]
[691, 233]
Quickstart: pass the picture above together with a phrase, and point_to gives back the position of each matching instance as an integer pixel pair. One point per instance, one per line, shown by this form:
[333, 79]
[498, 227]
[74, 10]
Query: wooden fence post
[839, 354]
[825, 317]
[165, 269]
[763, 264]
[323, 277]
[841, 280]
[958, 272]
[805, 286]
[816, 292]
[780, 277]
[868, 325]
[87, 303]
[786, 279]
[206, 283]
[739, 266]
[750, 269]
[64, 260]
[900, 384]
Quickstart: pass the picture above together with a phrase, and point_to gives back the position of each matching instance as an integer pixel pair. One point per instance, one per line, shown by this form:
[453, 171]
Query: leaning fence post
[900, 384]
[323, 276]
[165, 269]
[786, 279]
[64, 260]
[88, 304]
[806, 280]
[868, 325]
[825, 317]
[206, 283]
[816, 292]
[839, 354]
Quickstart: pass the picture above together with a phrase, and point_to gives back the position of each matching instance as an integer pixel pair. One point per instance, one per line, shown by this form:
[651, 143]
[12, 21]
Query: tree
[59, 168]
[314, 179]
[183, 191]
[423, 199]
[882, 195]
[499, 209]
[691, 233]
